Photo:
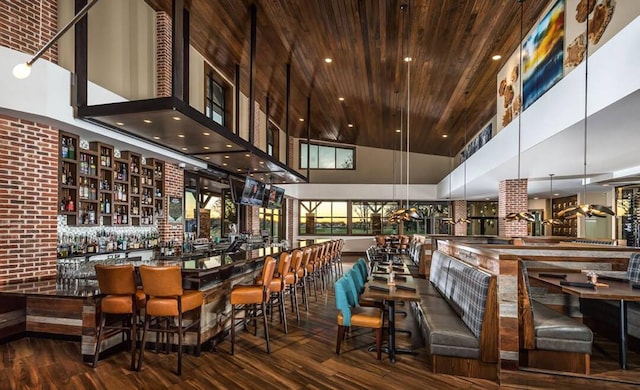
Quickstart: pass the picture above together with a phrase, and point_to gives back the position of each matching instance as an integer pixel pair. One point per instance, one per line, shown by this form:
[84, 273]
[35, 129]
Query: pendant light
[551, 221]
[522, 215]
[449, 220]
[407, 213]
[465, 219]
[586, 209]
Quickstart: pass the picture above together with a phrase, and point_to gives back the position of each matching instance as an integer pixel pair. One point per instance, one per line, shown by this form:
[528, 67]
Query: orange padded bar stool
[291, 280]
[277, 288]
[302, 276]
[246, 298]
[121, 298]
[167, 299]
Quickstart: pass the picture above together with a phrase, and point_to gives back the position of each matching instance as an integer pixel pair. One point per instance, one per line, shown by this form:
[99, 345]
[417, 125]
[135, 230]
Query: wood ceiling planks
[451, 43]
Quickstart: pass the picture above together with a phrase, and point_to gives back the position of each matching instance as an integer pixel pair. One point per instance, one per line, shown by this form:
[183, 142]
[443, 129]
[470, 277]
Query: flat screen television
[253, 193]
[236, 187]
[274, 197]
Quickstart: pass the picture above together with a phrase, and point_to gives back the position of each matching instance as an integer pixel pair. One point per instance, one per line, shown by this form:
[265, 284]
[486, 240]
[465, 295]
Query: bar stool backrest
[161, 281]
[116, 279]
[306, 256]
[296, 260]
[284, 263]
[267, 273]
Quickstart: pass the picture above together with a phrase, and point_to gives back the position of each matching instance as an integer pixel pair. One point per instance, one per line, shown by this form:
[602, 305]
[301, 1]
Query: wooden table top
[615, 291]
[394, 293]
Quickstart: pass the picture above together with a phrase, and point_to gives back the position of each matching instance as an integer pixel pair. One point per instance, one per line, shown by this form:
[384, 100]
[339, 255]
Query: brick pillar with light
[512, 198]
[459, 211]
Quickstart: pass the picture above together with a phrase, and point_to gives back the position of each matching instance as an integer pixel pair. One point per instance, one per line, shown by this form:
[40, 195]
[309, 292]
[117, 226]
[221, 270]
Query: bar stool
[167, 300]
[122, 299]
[243, 297]
[291, 280]
[311, 269]
[277, 289]
[302, 276]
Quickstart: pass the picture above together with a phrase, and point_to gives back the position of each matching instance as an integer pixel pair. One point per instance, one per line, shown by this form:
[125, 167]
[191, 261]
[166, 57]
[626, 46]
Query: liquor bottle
[107, 207]
[93, 192]
[103, 160]
[63, 204]
[69, 178]
[92, 215]
[72, 150]
[70, 205]
[64, 150]
[63, 177]
[92, 165]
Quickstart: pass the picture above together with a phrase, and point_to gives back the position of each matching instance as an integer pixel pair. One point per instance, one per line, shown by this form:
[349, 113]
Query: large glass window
[365, 217]
[270, 223]
[273, 141]
[326, 157]
[214, 98]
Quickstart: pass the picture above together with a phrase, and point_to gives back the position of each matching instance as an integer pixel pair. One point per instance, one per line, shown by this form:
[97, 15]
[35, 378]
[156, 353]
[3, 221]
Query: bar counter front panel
[70, 307]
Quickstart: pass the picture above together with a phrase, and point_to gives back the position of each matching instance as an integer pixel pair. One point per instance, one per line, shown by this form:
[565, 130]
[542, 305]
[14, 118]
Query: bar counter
[69, 307]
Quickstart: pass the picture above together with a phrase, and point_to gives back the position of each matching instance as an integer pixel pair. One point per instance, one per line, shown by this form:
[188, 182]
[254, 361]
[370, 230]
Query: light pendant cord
[408, 119]
[521, 71]
[586, 113]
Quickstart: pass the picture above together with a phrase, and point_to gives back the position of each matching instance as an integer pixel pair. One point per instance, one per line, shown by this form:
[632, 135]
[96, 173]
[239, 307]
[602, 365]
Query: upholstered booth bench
[458, 317]
[549, 339]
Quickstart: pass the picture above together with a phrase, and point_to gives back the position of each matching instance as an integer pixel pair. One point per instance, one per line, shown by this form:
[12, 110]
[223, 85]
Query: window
[214, 97]
[320, 217]
[272, 140]
[270, 223]
[326, 157]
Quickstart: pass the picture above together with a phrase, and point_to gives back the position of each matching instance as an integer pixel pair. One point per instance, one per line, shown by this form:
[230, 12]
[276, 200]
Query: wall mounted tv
[274, 197]
[235, 188]
[253, 193]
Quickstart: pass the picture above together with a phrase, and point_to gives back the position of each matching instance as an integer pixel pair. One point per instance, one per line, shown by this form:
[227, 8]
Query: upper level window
[326, 157]
[214, 98]
[272, 141]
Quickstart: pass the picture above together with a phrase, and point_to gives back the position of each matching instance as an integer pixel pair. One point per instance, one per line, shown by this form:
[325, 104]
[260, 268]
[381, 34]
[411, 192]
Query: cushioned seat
[367, 317]
[168, 307]
[246, 294]
[557, 332]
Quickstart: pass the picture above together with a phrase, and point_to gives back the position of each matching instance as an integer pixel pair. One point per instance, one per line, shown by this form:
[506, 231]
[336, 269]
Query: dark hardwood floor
[304, 358]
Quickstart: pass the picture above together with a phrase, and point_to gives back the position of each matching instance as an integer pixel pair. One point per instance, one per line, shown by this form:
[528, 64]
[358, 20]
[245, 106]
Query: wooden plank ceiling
[451, 43]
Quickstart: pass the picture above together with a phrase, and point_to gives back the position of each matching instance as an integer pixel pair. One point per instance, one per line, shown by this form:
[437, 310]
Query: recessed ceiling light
[205, 188]
[328, 60]
[205, 147]
[486, 198]
[251, 174]
[226, 156]
[239, 170]
[445, 135]
[536, 198]
[341, 99]
[229, 146]
[181, 135]
[261, 162]
[119, 123]
[206, 133]
[398, 130]
[301, 119]
[350, 125]
[207, 158]
[605, 185]
[176, 118]
[255, 169]
[146, 120]
[156, 137]
[496, 57]
[556, 194]
[248, 155]
[224, 164]
[184, 148]
[408, 59]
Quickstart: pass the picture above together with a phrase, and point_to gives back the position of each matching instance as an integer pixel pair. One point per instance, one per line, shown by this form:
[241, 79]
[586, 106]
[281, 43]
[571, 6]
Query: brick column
[28, 199]
[459, 211]
[21, 23]
[291, 226]
[173, 186]
[512, 198]
[163, 54]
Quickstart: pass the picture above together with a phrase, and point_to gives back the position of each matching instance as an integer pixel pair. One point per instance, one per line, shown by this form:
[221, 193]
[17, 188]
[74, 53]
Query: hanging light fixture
[449, 220]
[522, 215]
[551, 221]
[586, 209]
[406, 213]
[465, 219]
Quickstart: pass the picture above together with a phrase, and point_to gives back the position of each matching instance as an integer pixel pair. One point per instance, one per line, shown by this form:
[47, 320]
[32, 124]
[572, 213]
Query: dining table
[403, 288]
[606, 288]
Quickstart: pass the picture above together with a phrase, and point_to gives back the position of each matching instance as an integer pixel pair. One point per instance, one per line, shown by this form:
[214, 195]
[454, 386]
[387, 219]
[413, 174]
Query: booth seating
[458, 317]
[549, 339]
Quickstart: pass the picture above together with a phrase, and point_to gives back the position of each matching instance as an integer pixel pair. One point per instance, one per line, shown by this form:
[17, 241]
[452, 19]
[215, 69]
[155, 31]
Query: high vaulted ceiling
[451, 43]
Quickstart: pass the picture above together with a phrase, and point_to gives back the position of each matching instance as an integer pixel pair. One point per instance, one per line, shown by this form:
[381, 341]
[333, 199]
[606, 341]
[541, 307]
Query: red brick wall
[512, 198]
[459, 211]
[21, 23]
[291, 226]
[174, 186]
[163, 52]
[28, 199]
